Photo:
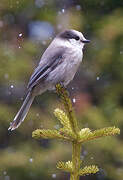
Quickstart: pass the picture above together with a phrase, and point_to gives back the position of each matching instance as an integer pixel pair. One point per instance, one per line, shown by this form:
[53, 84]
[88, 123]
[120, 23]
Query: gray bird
[58, 64]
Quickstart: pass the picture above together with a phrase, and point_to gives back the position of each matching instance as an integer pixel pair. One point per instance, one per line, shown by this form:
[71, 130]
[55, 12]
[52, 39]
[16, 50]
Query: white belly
[65, 71]
[72, 66]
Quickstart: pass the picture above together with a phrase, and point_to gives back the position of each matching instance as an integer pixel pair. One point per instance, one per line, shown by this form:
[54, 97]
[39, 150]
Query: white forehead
[78, 33]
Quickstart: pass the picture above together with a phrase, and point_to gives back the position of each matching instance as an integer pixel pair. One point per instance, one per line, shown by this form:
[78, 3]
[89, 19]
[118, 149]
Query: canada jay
[58, 64]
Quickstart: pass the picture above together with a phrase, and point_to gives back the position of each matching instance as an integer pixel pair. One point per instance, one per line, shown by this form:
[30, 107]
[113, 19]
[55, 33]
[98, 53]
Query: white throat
[71, 43]
[76, 44]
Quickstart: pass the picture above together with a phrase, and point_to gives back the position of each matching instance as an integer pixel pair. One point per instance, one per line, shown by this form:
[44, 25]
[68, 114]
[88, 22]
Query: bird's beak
[85, 41]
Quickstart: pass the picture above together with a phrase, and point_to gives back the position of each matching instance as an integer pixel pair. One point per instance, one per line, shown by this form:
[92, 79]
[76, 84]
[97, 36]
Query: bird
[58, 64]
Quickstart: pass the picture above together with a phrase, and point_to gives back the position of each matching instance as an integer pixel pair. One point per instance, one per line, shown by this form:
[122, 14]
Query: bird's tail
[19, 118]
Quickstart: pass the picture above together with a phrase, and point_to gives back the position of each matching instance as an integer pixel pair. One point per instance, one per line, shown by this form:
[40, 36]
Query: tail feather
[19, 118]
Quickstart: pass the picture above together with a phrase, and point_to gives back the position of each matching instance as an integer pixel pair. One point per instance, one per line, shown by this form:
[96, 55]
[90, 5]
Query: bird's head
[75, 38]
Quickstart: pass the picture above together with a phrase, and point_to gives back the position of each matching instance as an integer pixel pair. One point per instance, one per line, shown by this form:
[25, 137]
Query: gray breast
[65, 71]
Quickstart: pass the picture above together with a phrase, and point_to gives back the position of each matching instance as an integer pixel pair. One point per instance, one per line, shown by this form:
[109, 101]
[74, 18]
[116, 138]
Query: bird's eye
[77, 38]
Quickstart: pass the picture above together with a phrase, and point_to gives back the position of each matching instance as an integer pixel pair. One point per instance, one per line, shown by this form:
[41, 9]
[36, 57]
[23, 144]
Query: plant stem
[76, 151]
[71, 132]
[63, 93]
[76, 146]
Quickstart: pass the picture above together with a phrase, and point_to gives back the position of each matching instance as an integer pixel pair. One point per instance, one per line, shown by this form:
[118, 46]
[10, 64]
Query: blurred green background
[26, 29]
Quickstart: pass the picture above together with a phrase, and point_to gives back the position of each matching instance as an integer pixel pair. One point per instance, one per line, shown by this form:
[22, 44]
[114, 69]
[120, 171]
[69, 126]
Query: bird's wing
[48, 62]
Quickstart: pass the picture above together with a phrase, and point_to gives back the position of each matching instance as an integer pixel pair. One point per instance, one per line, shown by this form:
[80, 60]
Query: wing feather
[44, 69]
